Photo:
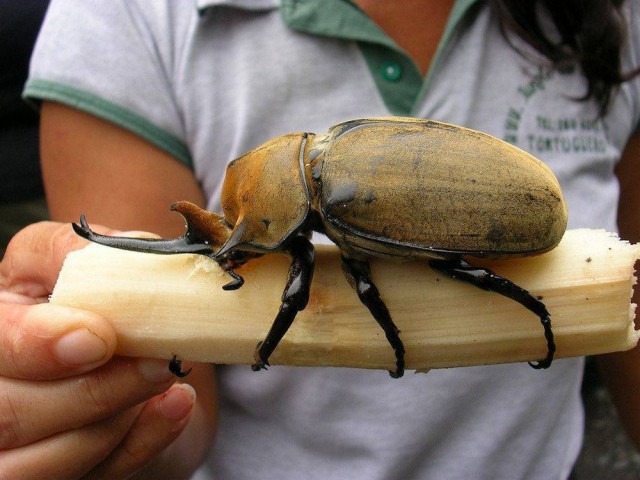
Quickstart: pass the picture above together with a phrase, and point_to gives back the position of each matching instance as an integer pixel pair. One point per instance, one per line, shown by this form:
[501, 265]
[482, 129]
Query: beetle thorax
[264, 195]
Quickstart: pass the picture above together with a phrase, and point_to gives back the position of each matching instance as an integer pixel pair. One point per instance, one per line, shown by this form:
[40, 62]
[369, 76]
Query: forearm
[621, 374]
[621, 371]
[114, 177]
[624, 388]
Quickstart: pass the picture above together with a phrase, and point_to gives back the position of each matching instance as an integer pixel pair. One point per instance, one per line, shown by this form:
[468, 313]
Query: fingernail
[177, 402]
[81, 347]
[155, 371]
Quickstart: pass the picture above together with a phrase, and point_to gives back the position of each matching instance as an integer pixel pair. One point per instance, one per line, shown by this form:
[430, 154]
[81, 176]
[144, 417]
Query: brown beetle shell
[418, 188]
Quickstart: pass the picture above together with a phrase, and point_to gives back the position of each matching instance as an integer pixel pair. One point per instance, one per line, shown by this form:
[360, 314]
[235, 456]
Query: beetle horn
[202, 225]
[205, 232]
[150, 245]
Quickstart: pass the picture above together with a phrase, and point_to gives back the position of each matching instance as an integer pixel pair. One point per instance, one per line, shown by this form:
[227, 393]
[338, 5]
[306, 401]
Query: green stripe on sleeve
[37, 89]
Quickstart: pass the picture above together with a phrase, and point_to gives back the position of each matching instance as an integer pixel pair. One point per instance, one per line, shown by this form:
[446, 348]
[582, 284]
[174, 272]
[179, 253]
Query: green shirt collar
[343, 19]
[202, 5]
[333, 18]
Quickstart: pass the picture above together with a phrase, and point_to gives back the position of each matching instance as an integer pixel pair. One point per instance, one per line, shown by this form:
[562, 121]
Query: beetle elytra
[383, 187]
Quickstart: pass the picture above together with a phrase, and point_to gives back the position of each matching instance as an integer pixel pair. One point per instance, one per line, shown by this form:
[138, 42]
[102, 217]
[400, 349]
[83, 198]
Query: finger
[158, 425]
[30, 411]
[67, 455]
[49, 341]
[34, 258]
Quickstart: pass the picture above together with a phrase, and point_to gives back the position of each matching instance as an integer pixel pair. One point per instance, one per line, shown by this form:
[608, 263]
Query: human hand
[68, 408]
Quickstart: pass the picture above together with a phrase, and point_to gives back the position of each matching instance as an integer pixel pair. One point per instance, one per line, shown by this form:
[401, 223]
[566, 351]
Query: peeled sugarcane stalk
[163, 306]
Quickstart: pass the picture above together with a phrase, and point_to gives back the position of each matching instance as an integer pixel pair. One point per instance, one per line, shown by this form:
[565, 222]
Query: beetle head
[210, 229]
[264, 195]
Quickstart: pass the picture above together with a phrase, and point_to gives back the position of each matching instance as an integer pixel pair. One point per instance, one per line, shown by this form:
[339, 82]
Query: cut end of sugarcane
[162, 306]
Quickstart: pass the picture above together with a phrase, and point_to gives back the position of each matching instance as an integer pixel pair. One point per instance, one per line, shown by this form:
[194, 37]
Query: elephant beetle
[400, 188]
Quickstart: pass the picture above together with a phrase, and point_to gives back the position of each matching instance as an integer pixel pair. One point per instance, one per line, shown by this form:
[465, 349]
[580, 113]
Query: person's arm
[119, 180]
[621, 371]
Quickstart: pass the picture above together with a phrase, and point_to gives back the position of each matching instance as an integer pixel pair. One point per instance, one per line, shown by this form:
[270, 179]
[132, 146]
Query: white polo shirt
[209, 80]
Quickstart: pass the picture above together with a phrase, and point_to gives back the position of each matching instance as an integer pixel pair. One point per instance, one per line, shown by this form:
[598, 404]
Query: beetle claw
[175, 367]
[399, 371]
[551, 346]
[234, 284]
[260, 364]
[540, 364]
[256, 367]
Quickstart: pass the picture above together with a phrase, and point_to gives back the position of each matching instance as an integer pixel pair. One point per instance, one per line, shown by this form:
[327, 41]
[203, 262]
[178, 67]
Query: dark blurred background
[21, 192]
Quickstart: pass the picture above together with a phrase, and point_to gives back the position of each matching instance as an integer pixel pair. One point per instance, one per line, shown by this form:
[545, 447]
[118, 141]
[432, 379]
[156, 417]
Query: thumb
[50, 341]
[34, 257]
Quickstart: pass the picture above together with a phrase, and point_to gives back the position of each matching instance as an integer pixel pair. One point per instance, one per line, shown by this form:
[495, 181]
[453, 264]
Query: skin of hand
[68, 407]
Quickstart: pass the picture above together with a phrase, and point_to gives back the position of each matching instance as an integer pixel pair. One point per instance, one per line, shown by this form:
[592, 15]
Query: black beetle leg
[359, 276]
[294, 299]
[488, 280]
[175, 367]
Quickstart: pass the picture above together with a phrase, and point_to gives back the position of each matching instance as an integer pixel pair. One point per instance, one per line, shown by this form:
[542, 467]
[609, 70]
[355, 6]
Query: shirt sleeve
[113, 60]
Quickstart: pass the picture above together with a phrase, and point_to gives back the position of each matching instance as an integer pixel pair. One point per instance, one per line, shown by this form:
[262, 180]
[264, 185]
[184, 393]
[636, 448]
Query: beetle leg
[294, 298]
[359, 276]
[488, 280]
